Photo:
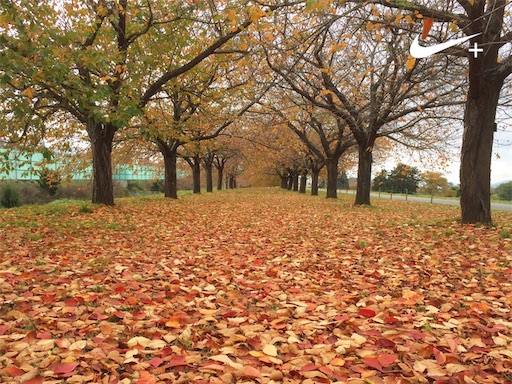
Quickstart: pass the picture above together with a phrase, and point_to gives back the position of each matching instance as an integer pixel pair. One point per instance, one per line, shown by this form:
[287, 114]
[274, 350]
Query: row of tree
[146, 76]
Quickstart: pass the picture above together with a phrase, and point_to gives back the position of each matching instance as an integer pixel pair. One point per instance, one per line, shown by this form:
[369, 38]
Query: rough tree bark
[295, 181]
[332, 177]
[314, 181]
[208, 167]
[479, 124]
[195, 165]
[364, 176]
[102, 136]
[219, 163]
[284, 181]
[220, 176]
[290, 181]
[169, 153]
[303, 180]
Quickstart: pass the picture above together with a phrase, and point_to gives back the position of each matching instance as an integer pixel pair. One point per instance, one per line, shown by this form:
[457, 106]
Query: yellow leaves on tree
[256, 13]
[232, 18]
[29, 92]
[410, 63]
[102, 11]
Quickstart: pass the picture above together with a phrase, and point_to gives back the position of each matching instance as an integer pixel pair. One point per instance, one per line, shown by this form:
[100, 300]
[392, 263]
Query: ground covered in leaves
[257, 286]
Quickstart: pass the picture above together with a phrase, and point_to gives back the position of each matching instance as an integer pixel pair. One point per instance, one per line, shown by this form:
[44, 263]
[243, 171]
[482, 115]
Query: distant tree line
[504, 191]
[408, 179]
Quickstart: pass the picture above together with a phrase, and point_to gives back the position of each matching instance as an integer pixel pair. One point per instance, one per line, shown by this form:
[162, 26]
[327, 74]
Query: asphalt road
[436, 200]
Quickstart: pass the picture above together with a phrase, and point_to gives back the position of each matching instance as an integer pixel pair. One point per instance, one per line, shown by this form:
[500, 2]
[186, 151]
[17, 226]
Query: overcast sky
[501, 169]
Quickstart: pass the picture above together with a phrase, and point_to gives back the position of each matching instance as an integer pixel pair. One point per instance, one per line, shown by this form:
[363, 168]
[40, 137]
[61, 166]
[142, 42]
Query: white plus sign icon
[475, 50]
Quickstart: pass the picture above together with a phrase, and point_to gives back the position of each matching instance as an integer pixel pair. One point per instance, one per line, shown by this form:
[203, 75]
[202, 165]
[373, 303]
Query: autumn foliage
[253, 287]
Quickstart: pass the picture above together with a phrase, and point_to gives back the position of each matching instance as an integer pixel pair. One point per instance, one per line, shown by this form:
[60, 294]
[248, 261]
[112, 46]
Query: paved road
[437, 200]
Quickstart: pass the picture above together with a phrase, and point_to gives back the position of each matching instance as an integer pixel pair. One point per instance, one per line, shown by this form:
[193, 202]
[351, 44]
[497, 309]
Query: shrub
[134, 187]
[504, 191]
[157, 186]
[49, 180]
[10, 197]
[85, 208]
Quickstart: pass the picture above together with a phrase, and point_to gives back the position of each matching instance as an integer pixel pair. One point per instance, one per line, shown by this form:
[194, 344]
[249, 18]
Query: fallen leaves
[64, 368]
[270, 350]
[254, 287]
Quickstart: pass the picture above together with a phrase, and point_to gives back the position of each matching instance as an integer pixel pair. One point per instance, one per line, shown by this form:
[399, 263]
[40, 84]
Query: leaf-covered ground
[253, 287]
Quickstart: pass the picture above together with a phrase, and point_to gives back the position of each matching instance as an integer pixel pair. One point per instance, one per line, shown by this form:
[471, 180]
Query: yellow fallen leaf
[270, 350]
[78, 345]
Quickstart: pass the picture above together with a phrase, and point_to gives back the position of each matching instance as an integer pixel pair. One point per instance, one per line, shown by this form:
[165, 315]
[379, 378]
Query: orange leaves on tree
[427, 26]
[410, 63]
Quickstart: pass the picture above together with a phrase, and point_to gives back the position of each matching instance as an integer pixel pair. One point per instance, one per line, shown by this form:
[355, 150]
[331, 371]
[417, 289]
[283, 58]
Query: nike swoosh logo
[419, 52]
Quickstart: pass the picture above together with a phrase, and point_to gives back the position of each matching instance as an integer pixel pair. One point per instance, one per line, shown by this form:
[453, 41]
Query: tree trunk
[314, 181]
[295, 181]
[364, 176]
[196, 175]
[234, 182]
[220, 177]
[284, 182]
[477, 142]
[290, 182]
[170, 182]
[102, 186]
[302, 185]
[209, 177]
[332, 177]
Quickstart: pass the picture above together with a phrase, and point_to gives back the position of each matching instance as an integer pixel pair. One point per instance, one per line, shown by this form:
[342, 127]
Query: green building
[15, 165]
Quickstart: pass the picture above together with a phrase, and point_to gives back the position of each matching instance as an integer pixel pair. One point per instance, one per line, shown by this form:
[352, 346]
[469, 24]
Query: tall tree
[102, 62]
[492, 20]
[359, 72]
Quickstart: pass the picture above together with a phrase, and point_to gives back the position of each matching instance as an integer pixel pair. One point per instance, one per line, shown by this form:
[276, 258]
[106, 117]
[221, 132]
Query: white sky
[501, 168]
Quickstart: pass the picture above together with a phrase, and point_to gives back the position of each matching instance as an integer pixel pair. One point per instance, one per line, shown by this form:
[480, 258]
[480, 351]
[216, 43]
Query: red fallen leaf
[155, 362]
[132, 300]
[328, 371]
[146, 378]
[249, 371]
[177, 361]
[342, 318]
[390, 320]
[166, 351]
[309, 367]
[386, 359]
[64, 368]
[73, 302]
[440, 356]
[35, 380]
[119, 288]
[385, 343]
[43, 335]
[254, 342]
[13, 371]
[367, 312]
[48, 298]
[3, 329]
[373, 362]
